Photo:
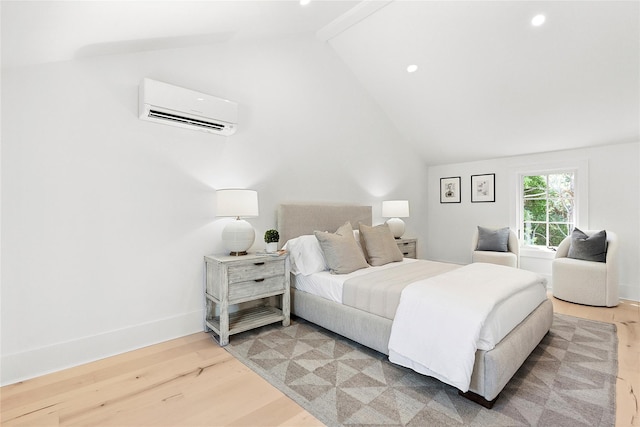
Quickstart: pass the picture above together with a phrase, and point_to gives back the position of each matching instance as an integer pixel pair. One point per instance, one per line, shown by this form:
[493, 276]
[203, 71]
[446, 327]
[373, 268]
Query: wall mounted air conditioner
[172, 105]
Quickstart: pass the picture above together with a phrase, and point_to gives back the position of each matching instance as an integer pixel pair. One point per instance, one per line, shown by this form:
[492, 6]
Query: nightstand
[407, 246]
[242, 279]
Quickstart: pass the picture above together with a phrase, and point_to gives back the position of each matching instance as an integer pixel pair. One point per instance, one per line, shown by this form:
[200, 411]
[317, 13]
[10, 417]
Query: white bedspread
[437, 325]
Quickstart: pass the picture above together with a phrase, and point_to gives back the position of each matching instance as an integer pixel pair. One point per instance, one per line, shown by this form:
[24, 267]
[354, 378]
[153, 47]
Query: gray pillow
[378, 244]
[493, 240]
[588, 248]
[341, 250]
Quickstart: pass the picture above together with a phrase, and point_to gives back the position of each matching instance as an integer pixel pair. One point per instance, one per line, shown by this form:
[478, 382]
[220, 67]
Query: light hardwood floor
[626, 317]
[192, 381]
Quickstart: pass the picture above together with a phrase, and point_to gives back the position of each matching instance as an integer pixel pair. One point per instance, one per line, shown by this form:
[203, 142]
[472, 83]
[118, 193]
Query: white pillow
[305, 255]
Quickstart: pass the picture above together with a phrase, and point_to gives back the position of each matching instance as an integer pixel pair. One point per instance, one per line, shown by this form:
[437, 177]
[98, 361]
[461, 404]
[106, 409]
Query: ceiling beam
[350, 18]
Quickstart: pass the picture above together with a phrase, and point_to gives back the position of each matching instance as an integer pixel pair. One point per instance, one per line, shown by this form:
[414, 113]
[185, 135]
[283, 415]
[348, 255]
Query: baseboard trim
[629, 292]
[34, 363]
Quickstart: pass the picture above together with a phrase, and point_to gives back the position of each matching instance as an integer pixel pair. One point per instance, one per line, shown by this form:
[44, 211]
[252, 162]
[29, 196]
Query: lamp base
[238, 236]
[396, 225]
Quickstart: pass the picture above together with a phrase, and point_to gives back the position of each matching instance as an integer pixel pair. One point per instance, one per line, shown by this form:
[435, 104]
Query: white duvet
[437, 326]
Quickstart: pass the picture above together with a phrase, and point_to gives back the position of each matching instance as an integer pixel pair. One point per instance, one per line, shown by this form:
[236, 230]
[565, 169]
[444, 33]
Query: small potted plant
[271, 238]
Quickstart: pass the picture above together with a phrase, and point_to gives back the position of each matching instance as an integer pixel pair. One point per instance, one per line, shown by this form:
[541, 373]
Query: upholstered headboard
[299, 219]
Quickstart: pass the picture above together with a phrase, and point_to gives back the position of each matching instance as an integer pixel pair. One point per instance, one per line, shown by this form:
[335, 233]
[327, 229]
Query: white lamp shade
[237, 202]
[395, 209]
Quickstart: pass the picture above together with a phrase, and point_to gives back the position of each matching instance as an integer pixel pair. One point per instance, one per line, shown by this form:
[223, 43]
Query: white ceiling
[35, 32]
[489, 84]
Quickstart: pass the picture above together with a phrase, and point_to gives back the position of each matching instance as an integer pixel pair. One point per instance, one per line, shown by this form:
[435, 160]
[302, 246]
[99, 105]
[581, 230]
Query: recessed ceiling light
[538, 20]
[304, 2]
[412, 68]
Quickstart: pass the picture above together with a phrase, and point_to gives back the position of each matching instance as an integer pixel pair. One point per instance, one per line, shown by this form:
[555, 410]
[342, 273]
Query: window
[548, 208]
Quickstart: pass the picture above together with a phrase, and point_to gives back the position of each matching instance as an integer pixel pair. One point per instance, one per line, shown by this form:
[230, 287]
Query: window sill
[543, 253]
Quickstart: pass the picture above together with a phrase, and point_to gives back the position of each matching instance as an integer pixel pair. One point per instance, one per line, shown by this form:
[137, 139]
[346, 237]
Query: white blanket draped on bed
[437, 325]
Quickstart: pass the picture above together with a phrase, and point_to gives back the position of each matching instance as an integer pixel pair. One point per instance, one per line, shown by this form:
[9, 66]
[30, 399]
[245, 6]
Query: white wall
[613, 204]
[106, 218]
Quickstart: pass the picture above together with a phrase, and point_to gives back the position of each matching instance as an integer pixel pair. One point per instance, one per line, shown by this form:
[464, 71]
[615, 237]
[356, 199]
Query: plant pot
[272, 247]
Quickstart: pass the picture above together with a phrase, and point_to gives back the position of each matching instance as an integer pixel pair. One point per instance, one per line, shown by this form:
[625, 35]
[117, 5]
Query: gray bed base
[492, 369]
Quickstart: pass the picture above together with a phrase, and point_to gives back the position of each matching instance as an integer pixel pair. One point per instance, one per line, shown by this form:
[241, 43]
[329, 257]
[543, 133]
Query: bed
[491, 369]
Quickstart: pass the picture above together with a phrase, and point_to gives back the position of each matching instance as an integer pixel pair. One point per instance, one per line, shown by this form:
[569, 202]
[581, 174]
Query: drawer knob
[259, 280]
[258, 263]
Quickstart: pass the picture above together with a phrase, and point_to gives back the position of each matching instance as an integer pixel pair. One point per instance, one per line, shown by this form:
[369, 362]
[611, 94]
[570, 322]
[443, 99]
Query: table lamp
[238, 235]
[394, 210]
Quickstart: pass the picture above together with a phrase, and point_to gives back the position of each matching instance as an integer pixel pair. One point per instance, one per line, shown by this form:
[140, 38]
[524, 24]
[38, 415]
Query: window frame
[546, 197]
[580, 172]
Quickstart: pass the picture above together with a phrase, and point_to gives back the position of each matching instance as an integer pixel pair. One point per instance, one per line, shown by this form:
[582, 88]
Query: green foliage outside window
[548, 208]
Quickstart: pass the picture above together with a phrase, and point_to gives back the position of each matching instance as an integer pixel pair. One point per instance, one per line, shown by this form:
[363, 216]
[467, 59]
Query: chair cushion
[493, 240]
[588, 248]
[501, 258]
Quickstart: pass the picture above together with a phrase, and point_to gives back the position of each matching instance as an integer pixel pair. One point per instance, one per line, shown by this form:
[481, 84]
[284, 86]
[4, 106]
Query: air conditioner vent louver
[173, 105]
[185, 120]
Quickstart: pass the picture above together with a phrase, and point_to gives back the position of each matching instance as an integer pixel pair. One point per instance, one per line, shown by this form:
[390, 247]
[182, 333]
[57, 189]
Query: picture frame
[450, 190]
[483, 188]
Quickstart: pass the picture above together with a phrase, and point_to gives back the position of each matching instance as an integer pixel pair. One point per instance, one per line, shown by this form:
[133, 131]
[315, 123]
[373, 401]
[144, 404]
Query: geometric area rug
[568, 380]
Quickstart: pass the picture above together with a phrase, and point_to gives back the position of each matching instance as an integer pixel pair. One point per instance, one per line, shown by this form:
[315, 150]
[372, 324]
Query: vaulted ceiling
[488, 83]
[491, 84]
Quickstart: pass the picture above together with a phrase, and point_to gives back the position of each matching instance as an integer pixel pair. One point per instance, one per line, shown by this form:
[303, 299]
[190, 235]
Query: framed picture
[483, 188]
[450, 190]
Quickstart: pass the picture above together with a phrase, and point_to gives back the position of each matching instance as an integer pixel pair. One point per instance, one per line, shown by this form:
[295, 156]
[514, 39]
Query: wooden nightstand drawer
[255, 270]
[245, 292]
[407, 247]
[258, 288]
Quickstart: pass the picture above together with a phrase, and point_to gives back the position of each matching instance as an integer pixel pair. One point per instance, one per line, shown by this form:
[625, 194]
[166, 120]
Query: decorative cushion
[378, 244]
[588, 248]
[306, 255]
[493, 240]
[341, 250]
[356, 236]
